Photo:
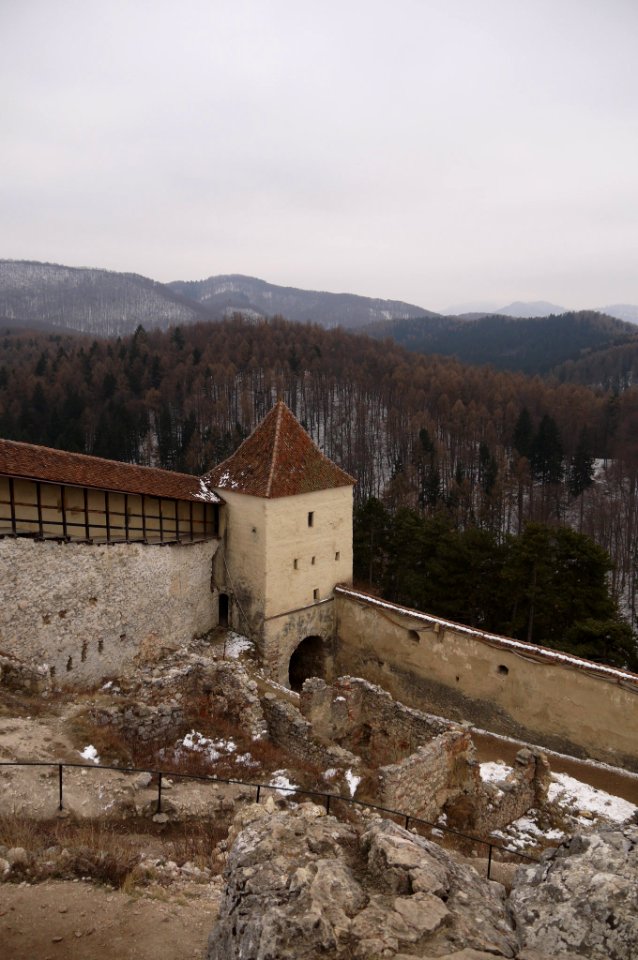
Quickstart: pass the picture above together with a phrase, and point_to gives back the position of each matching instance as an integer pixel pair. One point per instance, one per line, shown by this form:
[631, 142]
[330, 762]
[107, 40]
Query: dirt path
[63, 920]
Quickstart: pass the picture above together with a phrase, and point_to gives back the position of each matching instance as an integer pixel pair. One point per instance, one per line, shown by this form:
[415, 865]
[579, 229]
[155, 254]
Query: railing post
[258, 792]
[327, 803]
[407, 820]
[60, 807]
[489, 861]
[159, 792]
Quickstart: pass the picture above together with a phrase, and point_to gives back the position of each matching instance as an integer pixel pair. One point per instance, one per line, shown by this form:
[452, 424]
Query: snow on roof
[278, 459]
[534, 651]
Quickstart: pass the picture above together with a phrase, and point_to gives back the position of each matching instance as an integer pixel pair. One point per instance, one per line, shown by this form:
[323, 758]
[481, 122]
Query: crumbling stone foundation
[417, 763]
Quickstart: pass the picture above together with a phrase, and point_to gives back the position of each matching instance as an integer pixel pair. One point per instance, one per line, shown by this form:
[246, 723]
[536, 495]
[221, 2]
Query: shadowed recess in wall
[308, 660]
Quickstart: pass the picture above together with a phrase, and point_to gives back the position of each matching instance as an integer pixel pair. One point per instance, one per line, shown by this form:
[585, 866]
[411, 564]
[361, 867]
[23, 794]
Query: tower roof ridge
[278, 459]
[278, 407]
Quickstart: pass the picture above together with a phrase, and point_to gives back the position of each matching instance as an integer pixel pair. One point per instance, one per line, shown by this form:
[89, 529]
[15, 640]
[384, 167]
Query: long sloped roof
[77, 469]
[278, 459]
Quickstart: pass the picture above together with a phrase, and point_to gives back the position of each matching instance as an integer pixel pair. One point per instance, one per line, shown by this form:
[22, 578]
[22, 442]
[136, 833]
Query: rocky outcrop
[583, 901]
[302, 885]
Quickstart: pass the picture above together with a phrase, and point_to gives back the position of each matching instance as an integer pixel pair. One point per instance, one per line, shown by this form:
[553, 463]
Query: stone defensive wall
[518, 689]
[86, 611]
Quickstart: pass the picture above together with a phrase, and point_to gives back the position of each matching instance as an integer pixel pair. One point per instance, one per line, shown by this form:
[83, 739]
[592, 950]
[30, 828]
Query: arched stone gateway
[307, 660]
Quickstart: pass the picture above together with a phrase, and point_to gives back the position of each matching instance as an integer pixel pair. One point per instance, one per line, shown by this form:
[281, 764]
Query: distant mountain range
[535, 308]
[520, 308]
[105, 303]
[234, 292]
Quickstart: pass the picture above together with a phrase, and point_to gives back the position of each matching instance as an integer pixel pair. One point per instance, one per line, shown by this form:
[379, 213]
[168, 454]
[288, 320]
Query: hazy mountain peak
[235, 292]
[530, 308]
[622, 311]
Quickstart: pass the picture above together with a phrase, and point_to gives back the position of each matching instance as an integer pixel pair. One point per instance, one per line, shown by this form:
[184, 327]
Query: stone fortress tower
[287, 541]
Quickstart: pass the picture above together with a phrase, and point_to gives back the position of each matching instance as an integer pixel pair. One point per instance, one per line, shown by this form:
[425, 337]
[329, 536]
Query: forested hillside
[234, 292]
[100, 302]
[537, 345]
[482, 448]
[106, 303]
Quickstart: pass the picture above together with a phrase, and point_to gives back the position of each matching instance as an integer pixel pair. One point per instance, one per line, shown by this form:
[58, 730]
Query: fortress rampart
[86, 611]
[82, 611]
[539, 695]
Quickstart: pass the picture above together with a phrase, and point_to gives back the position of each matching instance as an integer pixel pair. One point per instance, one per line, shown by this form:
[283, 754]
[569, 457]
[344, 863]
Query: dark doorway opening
[308, 660]
[223, 609]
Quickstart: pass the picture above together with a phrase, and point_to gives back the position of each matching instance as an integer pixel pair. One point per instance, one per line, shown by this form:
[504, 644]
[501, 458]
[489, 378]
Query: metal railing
[259, 787]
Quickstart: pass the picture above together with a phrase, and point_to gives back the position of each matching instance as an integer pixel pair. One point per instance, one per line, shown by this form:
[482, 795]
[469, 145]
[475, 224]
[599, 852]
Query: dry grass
[110, 854]
[33, 705]
[58, 848]
[197, 846]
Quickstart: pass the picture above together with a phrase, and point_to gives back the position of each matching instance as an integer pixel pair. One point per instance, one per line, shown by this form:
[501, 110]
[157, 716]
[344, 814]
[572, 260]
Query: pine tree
[580, 474]
[546, 452]
[523, 434]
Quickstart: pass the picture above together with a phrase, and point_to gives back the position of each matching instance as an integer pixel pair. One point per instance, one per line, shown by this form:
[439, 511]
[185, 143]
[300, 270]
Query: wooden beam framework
[34, 508]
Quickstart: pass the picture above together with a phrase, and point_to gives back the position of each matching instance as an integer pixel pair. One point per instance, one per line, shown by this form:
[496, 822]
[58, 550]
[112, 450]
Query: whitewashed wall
[86, 611]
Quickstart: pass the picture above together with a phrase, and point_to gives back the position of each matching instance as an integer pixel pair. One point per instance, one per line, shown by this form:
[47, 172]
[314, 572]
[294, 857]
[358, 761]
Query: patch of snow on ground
[330, 773]
[236, 644]
[246, 760]
[495, 772]
[214, 749]
[281, 781]
[353, 781]
[90, 753]
[525, 832]
[572, 797]
[569, 792]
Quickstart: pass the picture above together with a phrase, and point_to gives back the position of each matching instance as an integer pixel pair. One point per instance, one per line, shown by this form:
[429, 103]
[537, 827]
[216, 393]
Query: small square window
[311, 519]
[313, 561]
[337, 555]
[315, 594]
[295, 564]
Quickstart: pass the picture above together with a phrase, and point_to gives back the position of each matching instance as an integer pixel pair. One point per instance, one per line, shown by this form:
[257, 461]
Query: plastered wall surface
[241, 567]
[267, 567]
[458, 675]
[323, 551]
[87, 610]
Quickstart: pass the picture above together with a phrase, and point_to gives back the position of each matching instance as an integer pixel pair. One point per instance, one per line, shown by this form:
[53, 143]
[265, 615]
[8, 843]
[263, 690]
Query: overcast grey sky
[435, 151]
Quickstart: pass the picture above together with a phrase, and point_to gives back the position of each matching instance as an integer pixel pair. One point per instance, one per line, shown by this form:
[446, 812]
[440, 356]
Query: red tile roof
[56, 466]
[278, 459]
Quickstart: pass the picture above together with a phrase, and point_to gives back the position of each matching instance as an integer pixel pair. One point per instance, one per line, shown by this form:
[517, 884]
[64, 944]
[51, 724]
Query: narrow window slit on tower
[311, 519]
